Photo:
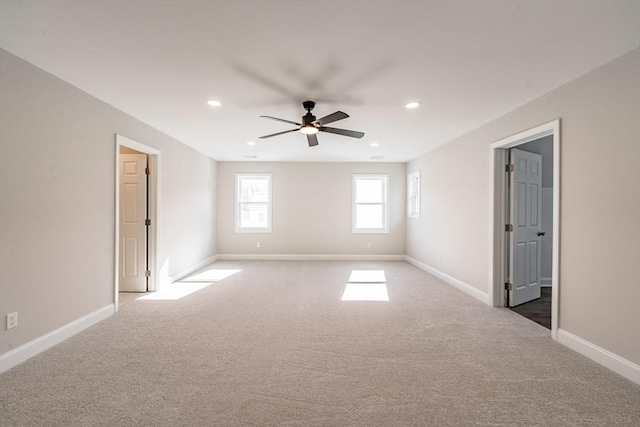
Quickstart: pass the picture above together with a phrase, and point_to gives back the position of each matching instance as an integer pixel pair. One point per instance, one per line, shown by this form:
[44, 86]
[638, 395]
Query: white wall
[57, 189]
[311, 210]
[600, 203]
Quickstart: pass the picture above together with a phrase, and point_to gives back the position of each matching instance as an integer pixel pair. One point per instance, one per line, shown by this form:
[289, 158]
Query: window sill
[253, 230]
[369, 231]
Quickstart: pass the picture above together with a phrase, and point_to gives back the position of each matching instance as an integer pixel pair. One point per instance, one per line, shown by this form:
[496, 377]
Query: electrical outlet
[369, 245]
[257, 244]
[439, 258]
[12, 320]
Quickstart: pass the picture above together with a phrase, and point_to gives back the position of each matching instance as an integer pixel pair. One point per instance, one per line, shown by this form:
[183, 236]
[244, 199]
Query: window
[253, 203]
[413, 194]
[370, 200]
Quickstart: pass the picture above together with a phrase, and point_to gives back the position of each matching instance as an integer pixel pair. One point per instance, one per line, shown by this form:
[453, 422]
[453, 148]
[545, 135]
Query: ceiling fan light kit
[310, 126]
[309, 130]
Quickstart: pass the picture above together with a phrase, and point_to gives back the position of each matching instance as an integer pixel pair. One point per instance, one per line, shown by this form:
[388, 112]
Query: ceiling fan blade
[343, 132]
[279, 133]
[281, 120]
[313, 140]
[334, 117]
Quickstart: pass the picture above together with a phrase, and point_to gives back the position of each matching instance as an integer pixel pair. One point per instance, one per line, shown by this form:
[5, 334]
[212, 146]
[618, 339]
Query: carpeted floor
[273, 344]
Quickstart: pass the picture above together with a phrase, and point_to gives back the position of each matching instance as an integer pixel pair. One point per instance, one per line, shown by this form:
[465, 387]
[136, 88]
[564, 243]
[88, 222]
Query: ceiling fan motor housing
[308, 119]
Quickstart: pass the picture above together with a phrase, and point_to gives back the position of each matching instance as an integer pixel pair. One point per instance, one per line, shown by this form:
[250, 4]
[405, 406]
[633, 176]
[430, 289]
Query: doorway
[136, 229]
[530, 211]
[134, 221]
[544, 141]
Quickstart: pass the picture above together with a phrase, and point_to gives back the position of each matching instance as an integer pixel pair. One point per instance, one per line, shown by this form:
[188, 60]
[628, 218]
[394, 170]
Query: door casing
[498, 200]
[154, 212]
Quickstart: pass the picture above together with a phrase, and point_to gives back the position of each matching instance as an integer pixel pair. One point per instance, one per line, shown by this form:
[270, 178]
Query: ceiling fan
[310, 126]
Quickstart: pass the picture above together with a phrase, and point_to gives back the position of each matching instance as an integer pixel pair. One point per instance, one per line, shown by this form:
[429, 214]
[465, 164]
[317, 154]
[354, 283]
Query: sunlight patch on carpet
[175, 291]
[365, 292]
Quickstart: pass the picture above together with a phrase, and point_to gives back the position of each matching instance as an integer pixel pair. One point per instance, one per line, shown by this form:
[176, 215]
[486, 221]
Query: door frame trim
[154, 213]
[497, 197]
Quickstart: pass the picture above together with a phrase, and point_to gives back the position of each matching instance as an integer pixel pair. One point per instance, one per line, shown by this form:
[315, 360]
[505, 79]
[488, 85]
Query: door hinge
[147, 273]
[147, 171]
[508, 286]
[509, 168]
[147, 222]
[508, 227]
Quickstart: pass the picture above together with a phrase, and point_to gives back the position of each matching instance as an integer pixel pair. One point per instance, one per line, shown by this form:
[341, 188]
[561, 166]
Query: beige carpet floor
[273, 345]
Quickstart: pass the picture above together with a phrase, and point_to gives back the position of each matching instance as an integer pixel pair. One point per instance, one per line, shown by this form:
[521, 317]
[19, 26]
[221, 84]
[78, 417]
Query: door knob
[541, 233]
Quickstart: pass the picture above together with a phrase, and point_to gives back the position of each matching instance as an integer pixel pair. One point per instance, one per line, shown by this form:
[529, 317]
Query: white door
[525, 217]
[133, 231]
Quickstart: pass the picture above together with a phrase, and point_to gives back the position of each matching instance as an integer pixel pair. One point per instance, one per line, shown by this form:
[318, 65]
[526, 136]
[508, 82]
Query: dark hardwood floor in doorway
[538, 310]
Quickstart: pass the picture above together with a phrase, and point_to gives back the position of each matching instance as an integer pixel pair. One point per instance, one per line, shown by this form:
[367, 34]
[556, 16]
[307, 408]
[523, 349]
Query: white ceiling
[467, 62]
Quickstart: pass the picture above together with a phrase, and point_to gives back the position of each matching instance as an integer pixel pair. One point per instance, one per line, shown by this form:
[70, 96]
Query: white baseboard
[187, 271]
[599, 355]
[310, 257]
[45, 342]
[545, 282]
[468, 289]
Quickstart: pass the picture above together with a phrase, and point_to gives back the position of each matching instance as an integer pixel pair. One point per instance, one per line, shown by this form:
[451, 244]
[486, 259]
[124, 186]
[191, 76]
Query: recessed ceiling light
[377, 157]
[374, 144]
[412, 105]
[251, 143]
[214, 103]
[248, 157]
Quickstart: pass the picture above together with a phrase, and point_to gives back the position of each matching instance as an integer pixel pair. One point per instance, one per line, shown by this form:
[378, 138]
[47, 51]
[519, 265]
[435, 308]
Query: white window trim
[266, 229]
[385, 229]
[410, 177]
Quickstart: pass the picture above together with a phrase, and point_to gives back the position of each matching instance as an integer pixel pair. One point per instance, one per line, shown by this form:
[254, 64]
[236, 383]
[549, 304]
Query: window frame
[384, 203]
[411, 177]
[268, 203]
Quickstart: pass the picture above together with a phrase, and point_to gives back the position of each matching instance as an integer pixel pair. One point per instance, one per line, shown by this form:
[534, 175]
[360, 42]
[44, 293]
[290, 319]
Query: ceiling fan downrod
[308, 105]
